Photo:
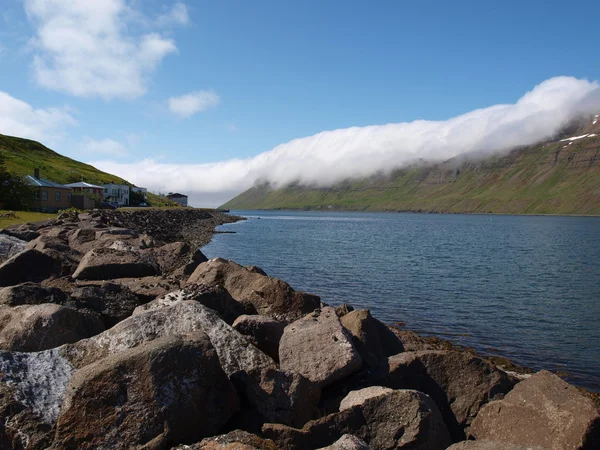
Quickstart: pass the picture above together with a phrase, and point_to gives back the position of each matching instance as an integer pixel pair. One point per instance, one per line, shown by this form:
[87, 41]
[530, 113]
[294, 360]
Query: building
[85, 195]
[48, 196]
[116, 193]
[141, 190]
[179, 198]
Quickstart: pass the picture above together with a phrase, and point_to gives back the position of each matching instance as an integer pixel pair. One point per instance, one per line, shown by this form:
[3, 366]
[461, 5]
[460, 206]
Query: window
[57, 196]
[44, 196]
[70, 197]
[36, 195]
[114, 192]
[106, 190]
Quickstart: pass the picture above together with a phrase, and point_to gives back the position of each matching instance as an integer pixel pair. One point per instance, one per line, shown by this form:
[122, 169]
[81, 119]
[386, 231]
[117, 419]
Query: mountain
[561, 176]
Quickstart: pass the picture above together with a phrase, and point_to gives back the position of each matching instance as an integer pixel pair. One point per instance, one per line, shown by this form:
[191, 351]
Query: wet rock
[460, 383]
[234, 440]
[31, 328]
[401, 419]
[359, 397]
[543, 411]
[270, 296]
[105, 264]
[319, 347]
[282, 397]
[265, 332]
[31, 294]
[348, 442]
[112, 301]
[165, 391]
[373, 340]
[235, 352]
[28, 265]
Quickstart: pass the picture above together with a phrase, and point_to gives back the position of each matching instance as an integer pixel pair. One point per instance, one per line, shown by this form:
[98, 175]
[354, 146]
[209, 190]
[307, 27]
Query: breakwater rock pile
[117, 333]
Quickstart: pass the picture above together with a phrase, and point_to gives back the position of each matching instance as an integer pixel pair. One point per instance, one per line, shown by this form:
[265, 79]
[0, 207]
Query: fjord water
[523, 287]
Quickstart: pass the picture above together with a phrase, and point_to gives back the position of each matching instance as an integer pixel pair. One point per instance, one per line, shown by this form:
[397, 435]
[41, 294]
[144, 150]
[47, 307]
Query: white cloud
[178, 15]
[18, 118]
[332, 156]
[105, 147]
[192, 103]
[93, 48]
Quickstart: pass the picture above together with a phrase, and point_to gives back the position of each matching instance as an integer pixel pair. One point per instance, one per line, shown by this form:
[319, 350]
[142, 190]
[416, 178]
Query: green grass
[526, 181]
[23, 217]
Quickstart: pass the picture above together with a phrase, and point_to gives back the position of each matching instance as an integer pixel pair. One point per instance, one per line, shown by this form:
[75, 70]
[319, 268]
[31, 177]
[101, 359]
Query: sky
[206, 98]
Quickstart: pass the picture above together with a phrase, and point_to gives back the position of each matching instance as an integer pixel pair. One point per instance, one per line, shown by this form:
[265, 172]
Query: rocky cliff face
[561, 176]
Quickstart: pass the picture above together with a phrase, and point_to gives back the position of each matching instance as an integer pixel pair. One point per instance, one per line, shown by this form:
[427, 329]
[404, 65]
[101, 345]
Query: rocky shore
[116, 332]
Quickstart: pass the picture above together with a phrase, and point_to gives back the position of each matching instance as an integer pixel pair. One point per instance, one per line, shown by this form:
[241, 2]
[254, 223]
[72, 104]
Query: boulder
[31, 294]
[343, 309]
[106, 264]
[112, 301]
[282, 397]
[348, 442]
[265, 332]
[234, 440]
[162, 392]
[170, 256]
[49, 242]
[489, 445]
[22, 232]
[319, 347]
[28, 265]
[542, 411]
[10, 246]
[235, 352]
[459, 382]
[213, 297]
[359, 397]
[400, 419]
[80, 237]
[270, 296]
[145, 289]
[31, 328]
[372, 339]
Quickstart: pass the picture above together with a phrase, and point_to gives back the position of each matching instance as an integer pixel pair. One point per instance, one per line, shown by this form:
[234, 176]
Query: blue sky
[213, 84]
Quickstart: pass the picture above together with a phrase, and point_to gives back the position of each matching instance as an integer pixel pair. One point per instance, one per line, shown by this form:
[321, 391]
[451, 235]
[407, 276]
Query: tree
[135, 198]
[15, 192]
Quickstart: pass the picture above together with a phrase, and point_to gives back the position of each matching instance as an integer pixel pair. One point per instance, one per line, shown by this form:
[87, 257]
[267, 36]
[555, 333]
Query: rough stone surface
[31, 294]
[235, 352]
[145, 289]
[112, 301]
[282, 397]
[265, 332]
[166, 391]
[234, 440]
[358, 397]
[106, 263]
[170, 256]
[460, 383]
[373, 340]
[28, 265]
[541, 411]
[490, 445]
[31, 328]
[348, 442]
[10, 246]
[22, 232]
[318, 347]
[270, 296]
[401, 419]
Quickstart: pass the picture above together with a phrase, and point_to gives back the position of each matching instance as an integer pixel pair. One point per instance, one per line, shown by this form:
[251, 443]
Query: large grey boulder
[401, 419]
[360, 396]
[235, 352]
[265, 332]
[31, 294]
[162, 392]
[348, 442]
[542, 411]
[459, 382]
[270, 296]
[319, 348]
[31, 328]
[282, 397]
[107, 263]
[373, 340]
[112, 301]
[28, 265]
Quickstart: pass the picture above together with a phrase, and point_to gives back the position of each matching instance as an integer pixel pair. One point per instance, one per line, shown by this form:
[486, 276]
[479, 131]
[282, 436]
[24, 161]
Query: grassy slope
[550, 178]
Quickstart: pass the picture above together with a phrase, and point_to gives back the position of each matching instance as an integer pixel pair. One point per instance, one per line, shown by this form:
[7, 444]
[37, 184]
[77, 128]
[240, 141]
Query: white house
[116, 193]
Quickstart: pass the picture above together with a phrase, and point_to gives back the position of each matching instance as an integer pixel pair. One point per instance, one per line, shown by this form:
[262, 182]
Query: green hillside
[549, 178]
[23, 156]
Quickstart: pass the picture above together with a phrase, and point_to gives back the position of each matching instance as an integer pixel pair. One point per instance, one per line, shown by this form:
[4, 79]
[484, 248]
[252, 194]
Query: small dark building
[48, 196]
[179, 198]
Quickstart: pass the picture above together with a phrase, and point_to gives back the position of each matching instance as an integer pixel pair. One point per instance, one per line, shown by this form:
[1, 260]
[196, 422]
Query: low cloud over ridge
[331, 156]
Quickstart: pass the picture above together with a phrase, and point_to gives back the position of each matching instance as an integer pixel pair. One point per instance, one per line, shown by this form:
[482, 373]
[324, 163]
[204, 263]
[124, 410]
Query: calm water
[523, 287]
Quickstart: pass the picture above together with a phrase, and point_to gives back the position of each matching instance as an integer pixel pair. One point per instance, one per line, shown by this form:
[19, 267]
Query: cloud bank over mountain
[331, 156]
